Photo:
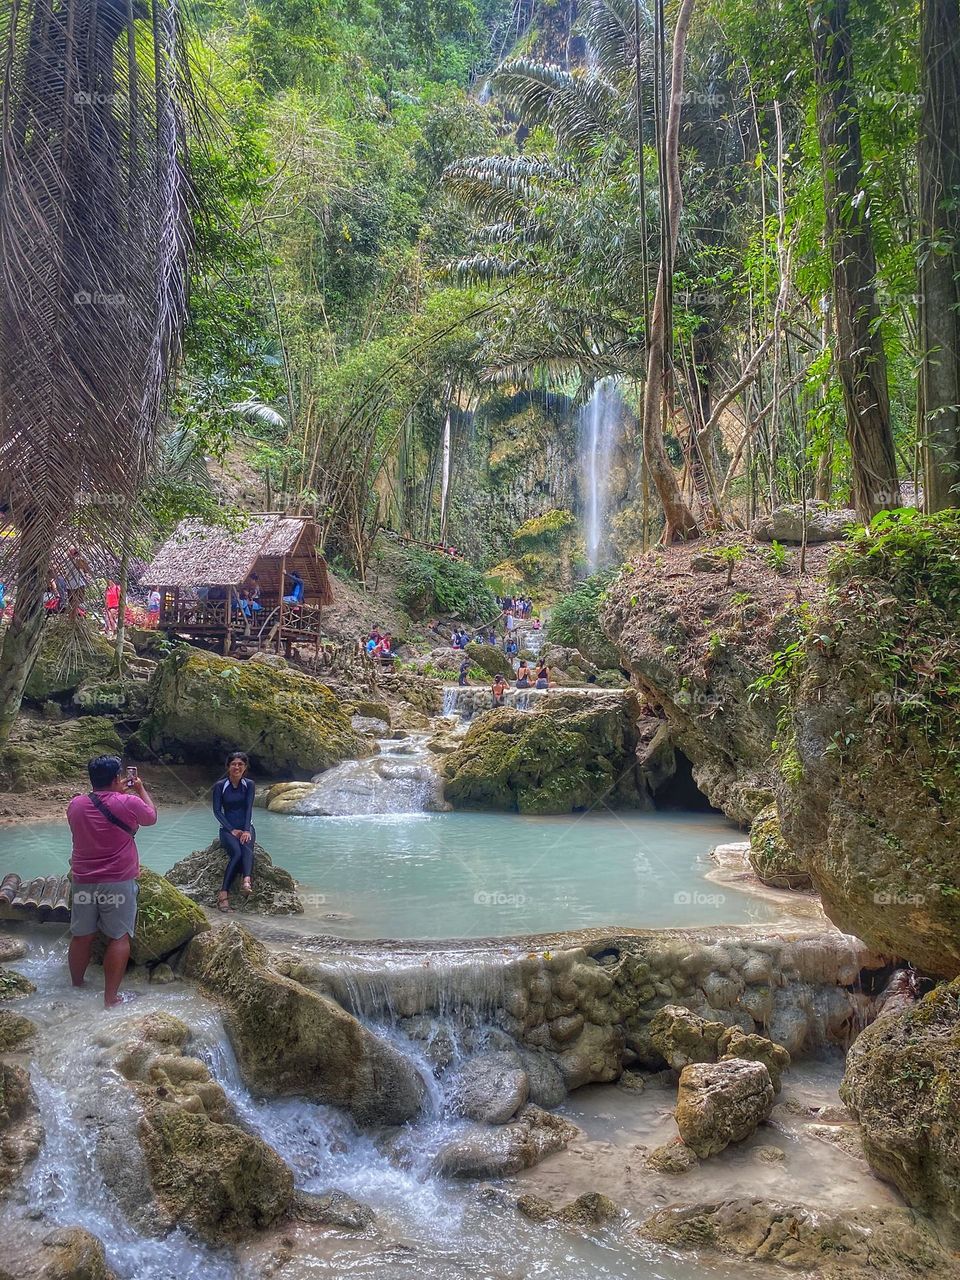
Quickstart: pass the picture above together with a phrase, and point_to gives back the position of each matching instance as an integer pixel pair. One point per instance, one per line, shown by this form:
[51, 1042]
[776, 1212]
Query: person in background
[537, 624]
[499, 689]
[295, 595]
[543, 676]
[384, 650]
[233, 797]
[76, 579]
[523, 675]
[372, 644]
[104, 867]
[153, 608]
[111, 604]
[464, 673]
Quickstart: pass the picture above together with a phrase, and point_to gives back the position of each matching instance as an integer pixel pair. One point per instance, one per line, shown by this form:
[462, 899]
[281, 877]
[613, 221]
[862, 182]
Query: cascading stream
[600, 426]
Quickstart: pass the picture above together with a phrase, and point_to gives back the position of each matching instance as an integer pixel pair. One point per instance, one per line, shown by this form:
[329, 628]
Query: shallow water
[426, 1226]
[460, 875]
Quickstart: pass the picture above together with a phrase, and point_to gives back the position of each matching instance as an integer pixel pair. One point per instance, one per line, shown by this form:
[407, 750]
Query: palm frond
[93, 244]
[580, 109]
[608, 26]
[498, 187]
[257, 412]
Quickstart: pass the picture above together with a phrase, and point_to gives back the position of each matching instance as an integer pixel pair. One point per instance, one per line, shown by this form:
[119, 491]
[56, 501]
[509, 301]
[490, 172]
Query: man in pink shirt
[105, 865]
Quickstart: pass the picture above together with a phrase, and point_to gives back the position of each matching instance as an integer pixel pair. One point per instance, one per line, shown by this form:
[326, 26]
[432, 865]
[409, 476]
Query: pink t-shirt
[102, 852]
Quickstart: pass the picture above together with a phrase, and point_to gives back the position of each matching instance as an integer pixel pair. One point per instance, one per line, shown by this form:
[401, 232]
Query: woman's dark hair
[103, 770]
[238, 755]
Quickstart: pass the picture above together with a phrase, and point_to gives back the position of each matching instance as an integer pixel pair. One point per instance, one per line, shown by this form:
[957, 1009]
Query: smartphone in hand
[131, 775]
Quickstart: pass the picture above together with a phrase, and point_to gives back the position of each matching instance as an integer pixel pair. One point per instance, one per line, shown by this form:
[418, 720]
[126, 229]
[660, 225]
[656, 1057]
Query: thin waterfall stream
[600, 426]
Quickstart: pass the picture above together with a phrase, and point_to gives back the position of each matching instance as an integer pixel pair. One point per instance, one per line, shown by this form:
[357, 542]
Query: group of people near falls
[105, 861]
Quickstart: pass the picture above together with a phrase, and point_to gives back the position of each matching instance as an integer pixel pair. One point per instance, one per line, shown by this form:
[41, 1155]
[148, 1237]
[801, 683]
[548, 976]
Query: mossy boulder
[166, 919]
[36, 754]
[16, 1031]
[290, 1040]
[869, 780]
[572, 752]
[69, 657]
[71, 1253]
[13, 985]
[202, 706]
[902, 1084]
[490, 659]
[200, 876]
[20, 1130]
[774, 862]
[696, 646]
[722, 1102]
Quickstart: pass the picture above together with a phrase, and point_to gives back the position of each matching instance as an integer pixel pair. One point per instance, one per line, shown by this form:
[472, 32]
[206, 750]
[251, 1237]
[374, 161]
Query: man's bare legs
[78, 957]
[115, 960]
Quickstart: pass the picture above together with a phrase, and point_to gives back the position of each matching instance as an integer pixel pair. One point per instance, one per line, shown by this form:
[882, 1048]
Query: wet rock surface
[723, 1102]
[494, 1152]
[773, 860]
[902, 1084]
[889, 1243]
[200, 877]
[20, 1130]
[292, 1041]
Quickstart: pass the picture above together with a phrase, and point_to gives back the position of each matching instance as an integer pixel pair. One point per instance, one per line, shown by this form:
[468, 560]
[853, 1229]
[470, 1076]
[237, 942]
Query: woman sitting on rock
[233, 809]
[523, 675]
[543, 676]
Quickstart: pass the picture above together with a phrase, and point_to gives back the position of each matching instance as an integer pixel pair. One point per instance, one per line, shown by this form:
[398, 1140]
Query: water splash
[600, 424]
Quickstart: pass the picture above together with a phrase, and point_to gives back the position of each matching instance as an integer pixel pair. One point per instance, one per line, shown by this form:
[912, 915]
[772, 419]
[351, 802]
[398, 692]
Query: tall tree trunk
[939, 165]
[679, 520]
[861, 362]
[23, 637]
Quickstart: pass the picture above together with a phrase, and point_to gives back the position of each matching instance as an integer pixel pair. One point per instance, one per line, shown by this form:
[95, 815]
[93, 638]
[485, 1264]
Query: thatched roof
[203, 555]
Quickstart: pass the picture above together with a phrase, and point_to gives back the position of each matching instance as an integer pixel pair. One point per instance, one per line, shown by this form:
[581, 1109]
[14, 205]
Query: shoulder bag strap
[109, 814]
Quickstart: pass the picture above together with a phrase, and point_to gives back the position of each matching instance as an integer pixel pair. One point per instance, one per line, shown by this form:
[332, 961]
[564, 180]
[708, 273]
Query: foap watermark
[499, 898]
[313, 899]
[687, 697]
[86, 897]
[898, 899]
[84, 99]
[896, 698]
[697, 898]
[94, 298]
[88, 499]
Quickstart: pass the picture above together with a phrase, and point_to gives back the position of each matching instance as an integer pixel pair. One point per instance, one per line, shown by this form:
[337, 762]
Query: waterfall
[600, 421]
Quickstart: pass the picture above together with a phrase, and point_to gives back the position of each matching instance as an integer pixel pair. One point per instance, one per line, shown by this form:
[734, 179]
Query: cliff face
[869, 781]
[696, 643]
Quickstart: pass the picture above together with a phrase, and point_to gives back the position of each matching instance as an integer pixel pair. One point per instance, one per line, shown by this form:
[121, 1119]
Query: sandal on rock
[246, 888]
[223, 901]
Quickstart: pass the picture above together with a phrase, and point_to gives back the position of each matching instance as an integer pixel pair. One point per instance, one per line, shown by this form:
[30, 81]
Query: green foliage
[545, 531]
[731, 557]
[777, 557]
[437, 584]
[575, 621]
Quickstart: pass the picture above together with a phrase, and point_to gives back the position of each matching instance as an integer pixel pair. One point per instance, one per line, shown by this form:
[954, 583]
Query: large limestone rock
[291, 1041]
[490, 659]
[794, 524]
[723, 1102]
[72, 1253]
[869, 789]
[681, 1037]
[570, 752]
[774, 862]
[735, 1043]
[902, 1083]
[886, 1242]
[492, 1087]
[483, 1152]
[200, 876]
[38, 753]
[20, 1130]
[203, 706]
[166, 920]
[208, 1175]
[16, 1032]
[696, 645]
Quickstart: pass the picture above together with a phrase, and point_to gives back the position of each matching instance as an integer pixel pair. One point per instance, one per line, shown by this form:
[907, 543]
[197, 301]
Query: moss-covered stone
[202, 706]
[570, 753]
[902, 1083]
[36, 754]
[215, 1179]
[69, 656]
[13, 985]
[16, 1031]
[290, 1040]
[20, 1131]
[774, 862]
[869, 781]
[166, 919]
[490, 659]
[200, 877]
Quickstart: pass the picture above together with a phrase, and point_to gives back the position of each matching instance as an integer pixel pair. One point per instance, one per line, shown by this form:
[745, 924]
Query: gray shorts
[111, 908]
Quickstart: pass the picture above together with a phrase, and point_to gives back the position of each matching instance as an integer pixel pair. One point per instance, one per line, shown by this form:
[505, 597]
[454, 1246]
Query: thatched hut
[205, 573]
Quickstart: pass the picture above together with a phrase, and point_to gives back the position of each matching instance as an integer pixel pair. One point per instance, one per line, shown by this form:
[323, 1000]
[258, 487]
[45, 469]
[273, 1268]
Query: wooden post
[228, 620]
[283, 587]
